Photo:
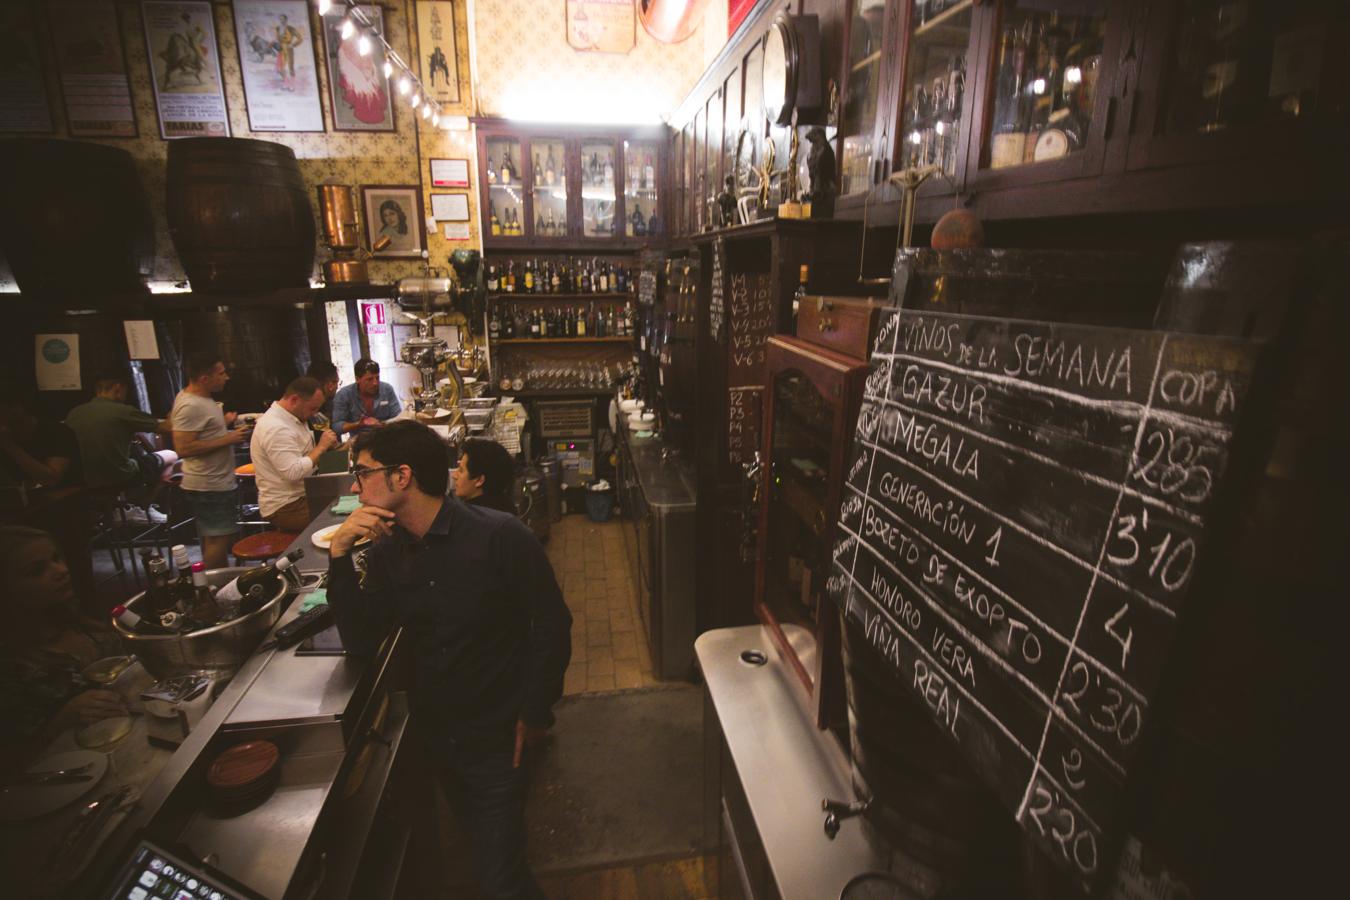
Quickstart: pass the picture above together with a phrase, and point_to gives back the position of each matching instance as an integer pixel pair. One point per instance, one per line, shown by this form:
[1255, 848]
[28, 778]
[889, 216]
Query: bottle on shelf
[529, 276]
[534, 324]
[495, 224]
[1008, 143]
[491, 171]
[550, 167]
[493, 279]
[537, 172]
[252, 589]
[554, 278]
[622, 285]
[495, 324]
[602, 286]
[803, 276]
[138, 624]
[508, 171]
[648, 172]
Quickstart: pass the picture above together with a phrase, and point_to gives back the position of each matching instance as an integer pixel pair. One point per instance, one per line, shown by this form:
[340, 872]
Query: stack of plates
[244, 775]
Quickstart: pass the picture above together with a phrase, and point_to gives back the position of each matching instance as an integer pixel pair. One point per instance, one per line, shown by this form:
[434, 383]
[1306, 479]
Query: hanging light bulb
[388, 69]
[403, 85]
[363, 44]
[325, 6]
[416, 99]
[348, 28]
[426, 111]
[435, 119]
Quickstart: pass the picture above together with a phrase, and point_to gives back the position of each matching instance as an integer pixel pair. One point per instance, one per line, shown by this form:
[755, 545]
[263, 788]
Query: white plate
[28, 801]
[324, 537]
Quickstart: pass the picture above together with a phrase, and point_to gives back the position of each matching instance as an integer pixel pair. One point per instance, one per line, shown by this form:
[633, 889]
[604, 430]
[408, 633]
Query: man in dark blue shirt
[491, 635]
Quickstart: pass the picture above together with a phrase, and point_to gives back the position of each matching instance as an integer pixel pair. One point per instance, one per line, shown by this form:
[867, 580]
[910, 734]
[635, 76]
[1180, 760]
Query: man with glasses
[491, 634]
[204, 437]
[367, 404]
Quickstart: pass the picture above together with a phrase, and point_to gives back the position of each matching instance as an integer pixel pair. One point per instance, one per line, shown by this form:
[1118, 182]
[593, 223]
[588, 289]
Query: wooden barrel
[239, 215]
[264, 348]
[74, 219]
[948, 834]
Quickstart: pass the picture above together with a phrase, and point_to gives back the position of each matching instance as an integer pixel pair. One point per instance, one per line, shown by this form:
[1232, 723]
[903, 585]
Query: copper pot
[337, 209]
[345, 271]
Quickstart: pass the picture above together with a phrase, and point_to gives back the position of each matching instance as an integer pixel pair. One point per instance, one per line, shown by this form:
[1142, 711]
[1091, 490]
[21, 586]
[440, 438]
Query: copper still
[342, 234]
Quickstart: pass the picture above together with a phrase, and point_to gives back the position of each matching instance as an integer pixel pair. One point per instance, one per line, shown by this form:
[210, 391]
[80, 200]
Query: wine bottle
[254, 588]
[550, 168]
[159, 591]
[205, 611]
[537, 173]
[495, 224]
[555, 278]
[132, 622]
[648, 172]
[1007, 144]
[529, 277]
[603, 286]
[803, 276]
[508, 172]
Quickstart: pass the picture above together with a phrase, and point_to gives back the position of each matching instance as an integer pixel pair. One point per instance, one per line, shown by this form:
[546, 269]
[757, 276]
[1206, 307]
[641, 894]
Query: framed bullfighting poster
[356, 84]
[277, 57]
[185, 69]
[93, 68]
[436, 50]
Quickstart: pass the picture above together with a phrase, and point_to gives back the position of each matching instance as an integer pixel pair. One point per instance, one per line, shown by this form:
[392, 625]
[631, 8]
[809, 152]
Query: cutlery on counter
[55, 776]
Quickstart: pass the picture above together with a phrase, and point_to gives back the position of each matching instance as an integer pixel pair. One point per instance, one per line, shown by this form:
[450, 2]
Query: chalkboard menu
[1024, 507]
[750, 323]
[717, 305]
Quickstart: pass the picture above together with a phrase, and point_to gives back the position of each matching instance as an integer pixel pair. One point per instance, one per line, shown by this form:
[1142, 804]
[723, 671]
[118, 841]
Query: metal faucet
[838, 810]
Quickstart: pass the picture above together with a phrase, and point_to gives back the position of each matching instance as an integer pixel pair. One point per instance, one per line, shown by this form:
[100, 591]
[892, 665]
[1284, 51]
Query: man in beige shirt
[284, 453]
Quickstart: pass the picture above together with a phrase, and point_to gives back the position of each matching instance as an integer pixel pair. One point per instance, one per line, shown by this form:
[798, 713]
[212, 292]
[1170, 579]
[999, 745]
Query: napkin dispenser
[174, 706]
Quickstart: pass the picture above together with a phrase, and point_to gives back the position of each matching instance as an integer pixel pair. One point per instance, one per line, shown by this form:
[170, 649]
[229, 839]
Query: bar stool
[110, 528]
[262, 547]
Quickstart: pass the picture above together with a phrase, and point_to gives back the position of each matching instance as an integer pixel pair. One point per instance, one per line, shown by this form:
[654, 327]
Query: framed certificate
[449, 173]
[450, 207]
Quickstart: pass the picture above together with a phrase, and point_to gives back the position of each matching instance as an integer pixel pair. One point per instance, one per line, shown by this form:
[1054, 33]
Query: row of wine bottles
[568, 321]
[565, 276]
[181, 601]
[597, 170]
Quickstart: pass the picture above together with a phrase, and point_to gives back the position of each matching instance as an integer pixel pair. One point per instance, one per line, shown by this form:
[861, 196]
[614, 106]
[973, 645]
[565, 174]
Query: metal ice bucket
[218, 651]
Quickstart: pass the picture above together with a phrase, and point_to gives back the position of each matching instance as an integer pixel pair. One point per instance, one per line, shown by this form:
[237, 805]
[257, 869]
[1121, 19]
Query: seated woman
[485, 475]
[43, 647]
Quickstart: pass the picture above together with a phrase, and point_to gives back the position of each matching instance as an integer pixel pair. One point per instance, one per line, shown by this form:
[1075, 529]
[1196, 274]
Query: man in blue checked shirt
[367, 404]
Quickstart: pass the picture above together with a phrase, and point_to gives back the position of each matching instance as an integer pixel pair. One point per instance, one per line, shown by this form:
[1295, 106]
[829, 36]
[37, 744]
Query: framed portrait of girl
[393, 220]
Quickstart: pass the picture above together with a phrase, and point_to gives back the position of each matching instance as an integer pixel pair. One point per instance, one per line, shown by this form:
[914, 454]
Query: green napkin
[346, 505]
[317, 597]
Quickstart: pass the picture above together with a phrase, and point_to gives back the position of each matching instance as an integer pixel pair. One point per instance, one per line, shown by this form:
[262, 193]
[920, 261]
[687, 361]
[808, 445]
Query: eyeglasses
[361, 472]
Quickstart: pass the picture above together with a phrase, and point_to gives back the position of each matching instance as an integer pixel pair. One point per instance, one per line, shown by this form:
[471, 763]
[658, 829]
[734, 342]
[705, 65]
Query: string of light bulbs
[355, 24]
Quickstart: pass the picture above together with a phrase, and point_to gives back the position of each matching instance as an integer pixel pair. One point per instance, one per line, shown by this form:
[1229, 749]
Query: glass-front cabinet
[548, 186]
[599, 196]
[504, 181]
[641, 191]
[566, 187]
[1239, 79]
[809, 413]
[862, 94]
[934, 87]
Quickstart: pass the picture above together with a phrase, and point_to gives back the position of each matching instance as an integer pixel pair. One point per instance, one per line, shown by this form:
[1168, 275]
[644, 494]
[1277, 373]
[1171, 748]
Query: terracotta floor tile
[598, 638]
[627, 674]
[600, 682]
[601, 663]
[624, 644]
[574, 682]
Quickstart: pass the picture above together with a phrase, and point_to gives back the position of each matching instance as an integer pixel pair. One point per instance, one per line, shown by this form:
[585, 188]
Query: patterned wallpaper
[527, 70]
[398, 157]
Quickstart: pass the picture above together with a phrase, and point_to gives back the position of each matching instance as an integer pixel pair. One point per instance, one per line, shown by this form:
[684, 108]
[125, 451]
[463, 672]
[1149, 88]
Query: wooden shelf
[866, 61]
[566, 340]
[520, 296]
[943, 18]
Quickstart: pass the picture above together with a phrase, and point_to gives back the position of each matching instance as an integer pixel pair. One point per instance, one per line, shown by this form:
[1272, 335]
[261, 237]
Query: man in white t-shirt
[284, 452]
[204, 438]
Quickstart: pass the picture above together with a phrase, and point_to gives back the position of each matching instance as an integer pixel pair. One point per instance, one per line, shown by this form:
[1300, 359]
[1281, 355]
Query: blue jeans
[488, 797]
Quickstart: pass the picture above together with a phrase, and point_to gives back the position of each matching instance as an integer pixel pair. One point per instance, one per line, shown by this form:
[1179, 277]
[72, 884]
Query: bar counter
[340, 724]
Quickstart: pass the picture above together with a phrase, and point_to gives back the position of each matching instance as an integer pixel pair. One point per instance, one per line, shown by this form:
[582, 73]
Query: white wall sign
[141, 343]
[58, 361]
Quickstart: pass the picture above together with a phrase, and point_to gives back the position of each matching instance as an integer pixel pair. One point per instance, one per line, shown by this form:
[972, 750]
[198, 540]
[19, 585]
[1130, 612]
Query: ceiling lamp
[404, 85]
[363, 44]
[671, 21]
[348, 28]
[325, 6]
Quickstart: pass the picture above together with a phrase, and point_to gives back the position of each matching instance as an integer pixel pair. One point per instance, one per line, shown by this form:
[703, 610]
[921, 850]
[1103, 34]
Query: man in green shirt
[105, 428]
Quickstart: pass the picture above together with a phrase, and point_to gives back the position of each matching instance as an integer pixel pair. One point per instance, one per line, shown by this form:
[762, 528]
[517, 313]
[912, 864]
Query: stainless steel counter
[785, 767]
[325, 713]
[658, 496]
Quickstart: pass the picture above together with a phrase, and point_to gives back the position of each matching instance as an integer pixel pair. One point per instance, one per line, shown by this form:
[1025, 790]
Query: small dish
[28, 801]
[104, 734]
[323, 538]
[106, 670]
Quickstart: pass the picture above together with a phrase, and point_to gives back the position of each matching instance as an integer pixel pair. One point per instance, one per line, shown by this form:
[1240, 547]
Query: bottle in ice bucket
[255, 587]
[158, 593]
[132, 622]
[182, 585]
[205, 611]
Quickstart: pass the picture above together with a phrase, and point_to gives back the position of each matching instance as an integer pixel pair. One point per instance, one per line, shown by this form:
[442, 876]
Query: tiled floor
[609, 648]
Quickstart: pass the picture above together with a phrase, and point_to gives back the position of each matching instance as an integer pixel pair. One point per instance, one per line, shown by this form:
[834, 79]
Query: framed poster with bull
[279, 64]
[185, 69]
